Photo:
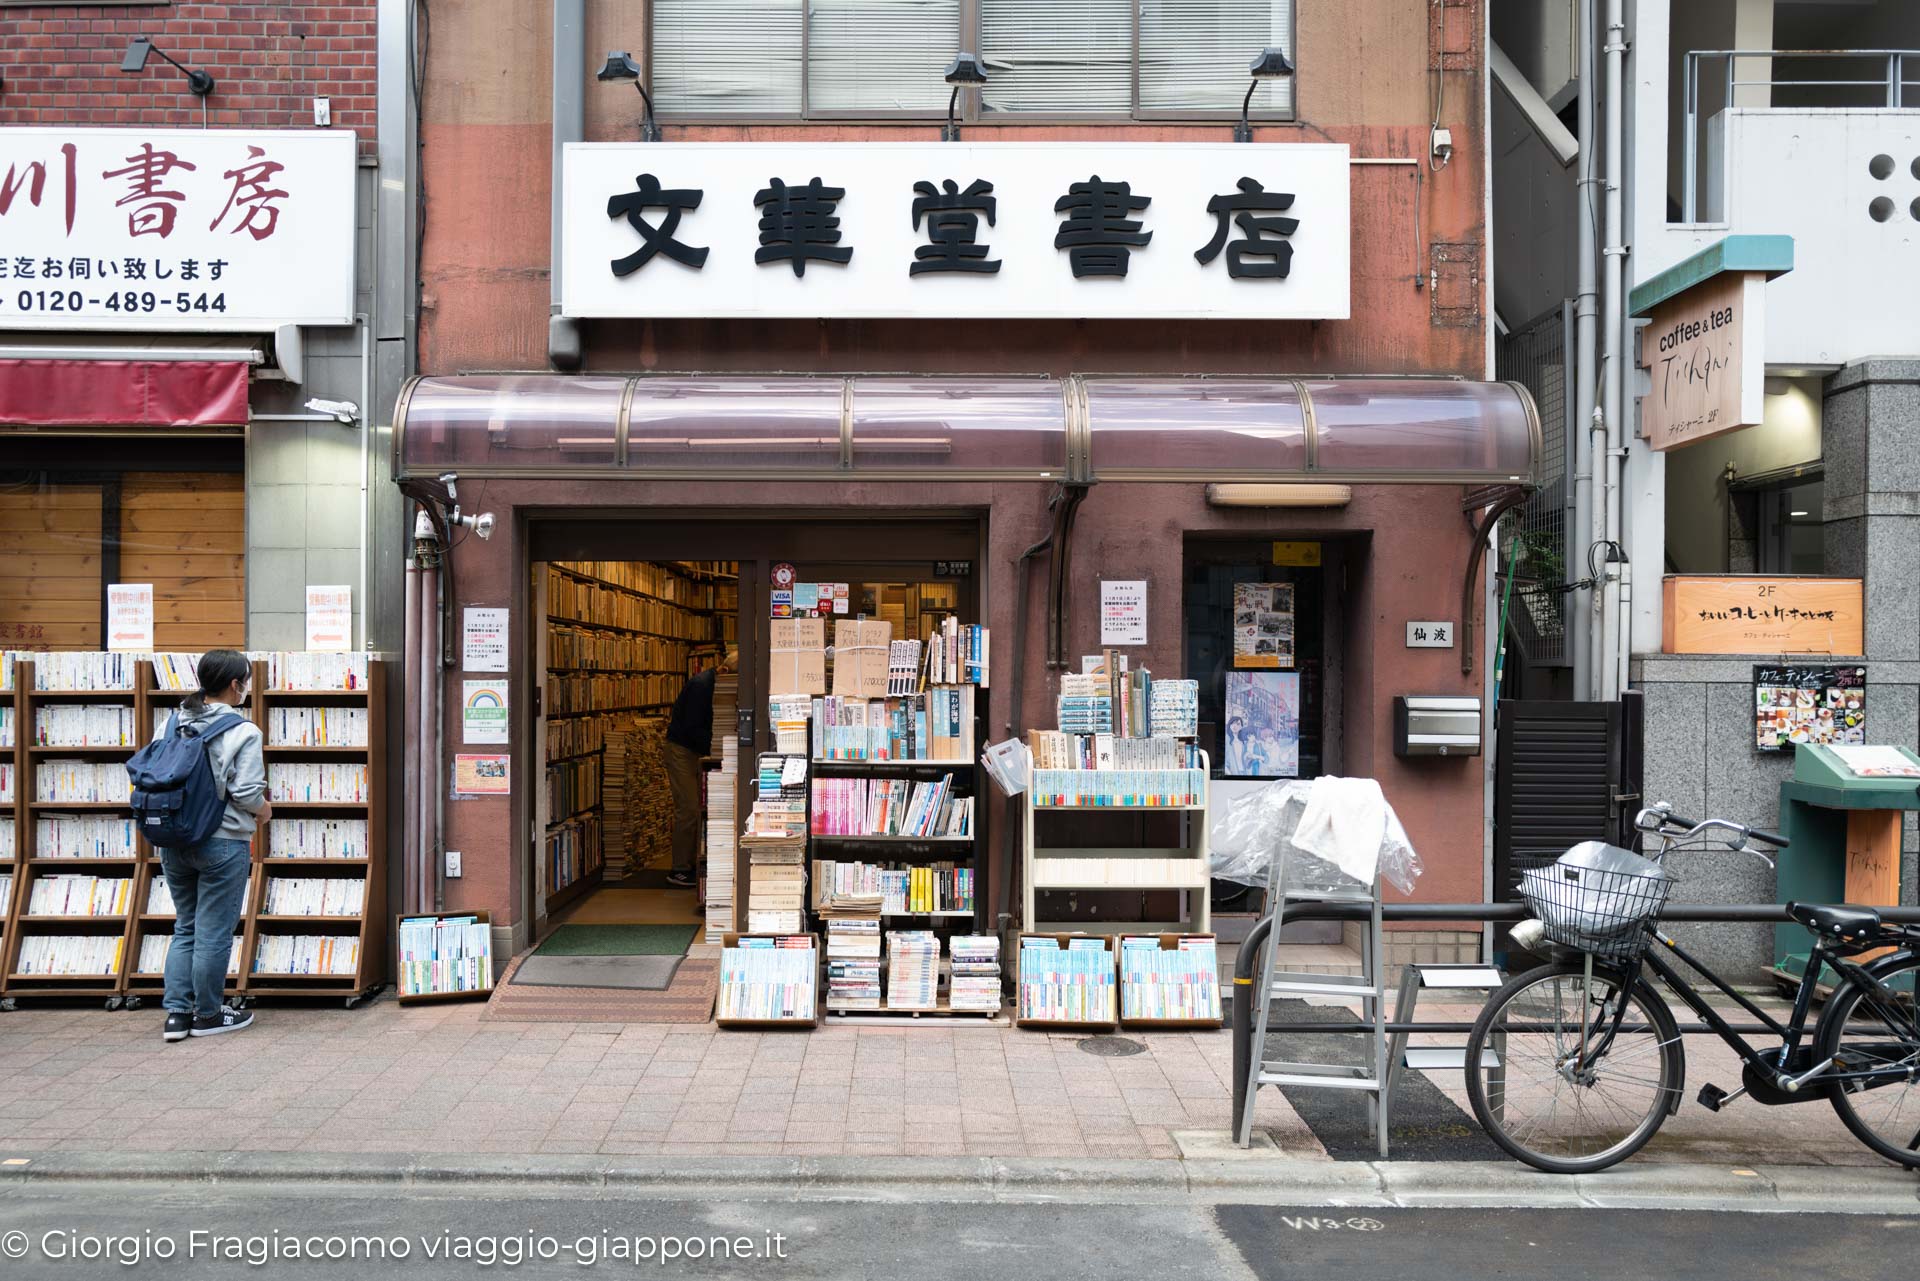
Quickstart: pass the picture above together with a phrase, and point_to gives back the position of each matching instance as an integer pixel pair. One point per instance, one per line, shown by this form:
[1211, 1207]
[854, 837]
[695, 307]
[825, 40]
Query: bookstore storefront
[1274, 541]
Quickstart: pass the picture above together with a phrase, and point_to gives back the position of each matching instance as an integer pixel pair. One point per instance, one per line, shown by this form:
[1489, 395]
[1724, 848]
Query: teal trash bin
[1842, 812]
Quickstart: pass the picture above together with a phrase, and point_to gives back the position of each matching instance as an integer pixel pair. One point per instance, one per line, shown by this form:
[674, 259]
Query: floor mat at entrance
[1426, 1125]
[618, 940]
[688, 998]
[640, 973]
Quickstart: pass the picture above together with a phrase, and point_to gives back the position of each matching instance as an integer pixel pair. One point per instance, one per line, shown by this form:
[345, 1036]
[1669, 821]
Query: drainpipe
[569, 125]
[411, 780]
[1613, 310]
[1588, 527]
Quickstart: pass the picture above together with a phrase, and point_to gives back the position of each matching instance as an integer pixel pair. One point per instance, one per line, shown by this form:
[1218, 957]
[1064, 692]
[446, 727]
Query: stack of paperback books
[913, 970]
[1074, 984]
[853, 963]
[769, 980]
[1179, 983]
[445, 954]
[976, 973]
[723, 814]
[777, 885]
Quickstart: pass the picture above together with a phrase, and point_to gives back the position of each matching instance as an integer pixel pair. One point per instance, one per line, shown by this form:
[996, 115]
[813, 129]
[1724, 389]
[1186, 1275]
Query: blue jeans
[207, 881]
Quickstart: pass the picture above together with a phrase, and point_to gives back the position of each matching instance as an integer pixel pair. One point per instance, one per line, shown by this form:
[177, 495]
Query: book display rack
[312, 922]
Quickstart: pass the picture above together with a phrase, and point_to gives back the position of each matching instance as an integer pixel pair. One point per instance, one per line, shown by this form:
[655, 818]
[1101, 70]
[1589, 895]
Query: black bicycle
[1576, 1064]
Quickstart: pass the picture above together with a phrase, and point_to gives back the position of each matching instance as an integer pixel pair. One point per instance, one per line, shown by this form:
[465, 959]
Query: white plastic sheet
[1257, 827]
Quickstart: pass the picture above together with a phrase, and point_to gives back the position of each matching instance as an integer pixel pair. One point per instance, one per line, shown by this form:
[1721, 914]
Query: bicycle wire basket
[1598, 898]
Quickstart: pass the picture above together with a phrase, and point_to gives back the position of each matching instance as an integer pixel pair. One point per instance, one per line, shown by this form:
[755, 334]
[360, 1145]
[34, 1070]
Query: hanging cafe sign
[920, 230]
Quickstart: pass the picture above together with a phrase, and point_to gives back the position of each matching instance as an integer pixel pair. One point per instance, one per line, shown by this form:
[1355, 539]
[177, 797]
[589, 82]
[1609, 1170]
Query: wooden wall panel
[49, 566]
[187, 535]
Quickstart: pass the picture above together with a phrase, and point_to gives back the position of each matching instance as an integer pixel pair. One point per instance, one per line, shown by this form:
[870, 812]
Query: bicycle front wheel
[1549, 1083]
[1878, 1035]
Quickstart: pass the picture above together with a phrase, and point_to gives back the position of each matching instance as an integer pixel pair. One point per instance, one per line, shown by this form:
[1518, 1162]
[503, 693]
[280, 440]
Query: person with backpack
[198, 792]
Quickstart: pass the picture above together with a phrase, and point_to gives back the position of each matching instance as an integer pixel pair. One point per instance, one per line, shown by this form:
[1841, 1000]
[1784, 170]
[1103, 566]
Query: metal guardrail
[1883, 84]
[1243, 965]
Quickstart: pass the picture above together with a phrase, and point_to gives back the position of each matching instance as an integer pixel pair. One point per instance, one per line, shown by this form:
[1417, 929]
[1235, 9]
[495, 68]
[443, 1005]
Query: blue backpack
[175, 800]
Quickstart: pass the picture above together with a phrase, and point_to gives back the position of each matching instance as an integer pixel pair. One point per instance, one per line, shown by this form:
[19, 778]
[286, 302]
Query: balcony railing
[1887, 79]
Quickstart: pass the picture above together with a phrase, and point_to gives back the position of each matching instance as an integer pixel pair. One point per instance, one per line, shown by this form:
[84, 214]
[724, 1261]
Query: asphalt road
[202, 1230]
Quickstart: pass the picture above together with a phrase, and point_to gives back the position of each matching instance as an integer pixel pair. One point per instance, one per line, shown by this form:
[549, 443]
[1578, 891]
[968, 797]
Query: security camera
[340, 410]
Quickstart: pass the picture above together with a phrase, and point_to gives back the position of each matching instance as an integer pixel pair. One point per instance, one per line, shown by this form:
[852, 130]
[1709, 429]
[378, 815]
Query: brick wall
[61, 64]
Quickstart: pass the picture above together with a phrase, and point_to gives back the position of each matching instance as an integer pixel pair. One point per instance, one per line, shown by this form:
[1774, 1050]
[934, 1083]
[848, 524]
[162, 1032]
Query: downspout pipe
[569, 125]
[411, 781]
[1589, 524]
[1613, 308]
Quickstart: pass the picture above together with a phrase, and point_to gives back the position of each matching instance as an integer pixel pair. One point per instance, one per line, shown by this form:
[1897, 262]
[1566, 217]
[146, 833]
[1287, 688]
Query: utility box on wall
[1435, 725]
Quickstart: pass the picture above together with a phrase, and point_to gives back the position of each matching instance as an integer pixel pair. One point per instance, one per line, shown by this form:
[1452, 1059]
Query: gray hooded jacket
[239, 770]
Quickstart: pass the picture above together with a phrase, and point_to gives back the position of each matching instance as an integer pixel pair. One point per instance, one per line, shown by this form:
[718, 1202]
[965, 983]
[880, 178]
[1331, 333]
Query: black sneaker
[228, 1020]
[178, 1026]
[680, 880]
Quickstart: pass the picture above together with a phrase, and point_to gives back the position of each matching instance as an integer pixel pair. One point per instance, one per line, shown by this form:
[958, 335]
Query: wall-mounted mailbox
[1435, 725]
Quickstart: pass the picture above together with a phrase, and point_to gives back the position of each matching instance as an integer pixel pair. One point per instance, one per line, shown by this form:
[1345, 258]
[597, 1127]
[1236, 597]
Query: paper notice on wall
[1123, 611]
[329, 618]
[130, 616]
[1263, 625]
[481, 776]
[483, 712]
[484, 640]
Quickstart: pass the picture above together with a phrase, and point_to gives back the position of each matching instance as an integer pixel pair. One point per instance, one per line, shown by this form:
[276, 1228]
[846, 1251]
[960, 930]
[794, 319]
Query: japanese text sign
[1706, 350]
[910, 230]
[175, 228]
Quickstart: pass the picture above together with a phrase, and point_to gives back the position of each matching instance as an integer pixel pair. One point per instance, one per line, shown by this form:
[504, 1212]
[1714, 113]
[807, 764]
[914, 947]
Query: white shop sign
[738, 229]
[137, 229]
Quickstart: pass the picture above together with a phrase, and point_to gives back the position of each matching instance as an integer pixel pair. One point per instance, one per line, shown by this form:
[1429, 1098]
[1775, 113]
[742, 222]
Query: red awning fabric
[123, 393]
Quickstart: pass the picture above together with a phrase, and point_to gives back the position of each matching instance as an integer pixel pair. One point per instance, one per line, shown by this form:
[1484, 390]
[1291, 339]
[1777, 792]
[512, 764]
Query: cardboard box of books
[797, 656]
[1066, 981]
[860, 657]
[1169, 980]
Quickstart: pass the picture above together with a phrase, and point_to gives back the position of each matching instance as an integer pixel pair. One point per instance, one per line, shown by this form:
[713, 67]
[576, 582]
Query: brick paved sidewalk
[438, 1080]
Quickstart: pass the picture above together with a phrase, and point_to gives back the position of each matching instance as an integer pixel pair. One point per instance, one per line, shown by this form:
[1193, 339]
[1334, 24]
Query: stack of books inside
[913, 970]
[637, 804]
[853, 963]
[976, 973]
[777, 884]
[769, 980]
[1178, 983]
[723, 817]
[1072, 984]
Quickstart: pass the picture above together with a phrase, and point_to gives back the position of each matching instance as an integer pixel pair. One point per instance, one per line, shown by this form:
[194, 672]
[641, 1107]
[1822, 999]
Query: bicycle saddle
[1837, 920]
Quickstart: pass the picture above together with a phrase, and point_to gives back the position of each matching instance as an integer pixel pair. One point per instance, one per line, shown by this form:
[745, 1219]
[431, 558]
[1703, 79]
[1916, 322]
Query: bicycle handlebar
[1668, 820]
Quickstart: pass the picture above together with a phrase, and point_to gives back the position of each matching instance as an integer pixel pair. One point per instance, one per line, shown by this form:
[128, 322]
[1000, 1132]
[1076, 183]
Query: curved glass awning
[1079, 429]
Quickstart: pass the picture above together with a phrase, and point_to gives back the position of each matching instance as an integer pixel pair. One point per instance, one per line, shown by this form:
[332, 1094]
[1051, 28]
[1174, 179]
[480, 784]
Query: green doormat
[619, 940]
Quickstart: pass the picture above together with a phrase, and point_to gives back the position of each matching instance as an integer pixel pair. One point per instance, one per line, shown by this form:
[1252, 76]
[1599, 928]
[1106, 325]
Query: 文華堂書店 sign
[969, 230]
[203, 229]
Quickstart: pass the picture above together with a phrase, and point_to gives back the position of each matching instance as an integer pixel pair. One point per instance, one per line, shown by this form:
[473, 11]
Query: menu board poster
[1808, 704]
[1263, 624]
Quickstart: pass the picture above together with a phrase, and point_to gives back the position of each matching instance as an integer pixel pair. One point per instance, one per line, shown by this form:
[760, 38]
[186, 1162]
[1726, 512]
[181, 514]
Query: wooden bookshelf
[29, 868]
[128, 985]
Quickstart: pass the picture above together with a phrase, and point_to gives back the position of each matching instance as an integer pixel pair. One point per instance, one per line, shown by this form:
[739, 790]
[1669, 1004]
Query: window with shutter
[1194, 55]
[726, 57]
[880, 57]
[1066, 56]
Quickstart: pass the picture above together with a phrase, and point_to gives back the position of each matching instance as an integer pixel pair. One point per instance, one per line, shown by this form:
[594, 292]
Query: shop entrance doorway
[631, 615]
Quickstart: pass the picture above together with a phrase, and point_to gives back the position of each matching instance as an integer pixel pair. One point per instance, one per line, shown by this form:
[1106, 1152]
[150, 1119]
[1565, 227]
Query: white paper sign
[483, 712]
[1123, 611]
[655, 253]
[485, 640]
[1430, 634]
[130, 616]
[203, 229]
[329, 617]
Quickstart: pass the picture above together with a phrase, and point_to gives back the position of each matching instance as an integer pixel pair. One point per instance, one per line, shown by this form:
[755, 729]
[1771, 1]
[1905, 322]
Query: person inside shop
[209, 880]
[689, 738]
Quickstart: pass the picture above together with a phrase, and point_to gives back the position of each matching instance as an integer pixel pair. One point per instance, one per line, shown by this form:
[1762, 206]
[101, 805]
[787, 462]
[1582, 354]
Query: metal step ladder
[1365, 1079]
[1415, 979]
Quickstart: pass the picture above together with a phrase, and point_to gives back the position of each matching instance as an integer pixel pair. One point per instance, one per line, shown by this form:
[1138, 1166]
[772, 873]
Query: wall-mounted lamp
[1286, 494]
[965, 69]
[621, 66]
[1272, 64]
[135, 61]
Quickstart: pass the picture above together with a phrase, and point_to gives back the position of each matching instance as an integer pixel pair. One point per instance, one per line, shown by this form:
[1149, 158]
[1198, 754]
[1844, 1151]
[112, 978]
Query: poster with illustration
[1263, 625]
[1262, 738]
[1822, 705]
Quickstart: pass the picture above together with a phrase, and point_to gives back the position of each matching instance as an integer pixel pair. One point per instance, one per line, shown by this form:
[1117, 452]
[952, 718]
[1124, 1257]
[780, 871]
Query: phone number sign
[175, 229]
